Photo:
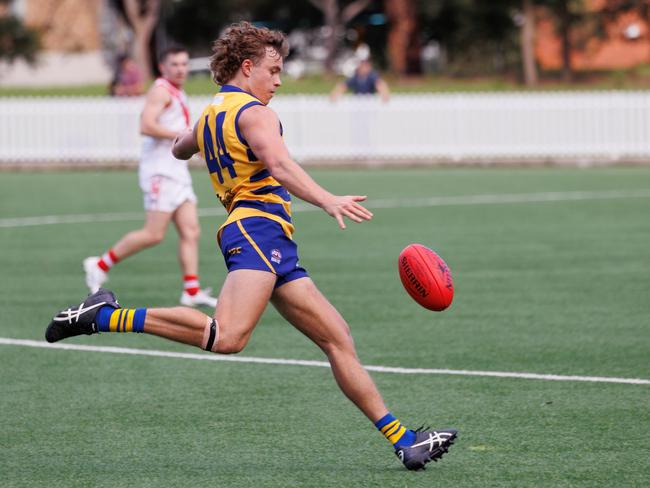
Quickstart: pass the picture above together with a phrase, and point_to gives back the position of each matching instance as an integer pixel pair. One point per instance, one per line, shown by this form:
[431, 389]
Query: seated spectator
[128, 80]
[364, 81]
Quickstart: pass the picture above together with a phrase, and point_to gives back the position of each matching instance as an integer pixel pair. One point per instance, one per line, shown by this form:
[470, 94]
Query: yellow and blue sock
[109, 319]
[394, 431]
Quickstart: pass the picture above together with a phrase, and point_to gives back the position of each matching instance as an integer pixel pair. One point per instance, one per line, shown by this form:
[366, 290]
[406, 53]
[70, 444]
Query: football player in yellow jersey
[252, 174]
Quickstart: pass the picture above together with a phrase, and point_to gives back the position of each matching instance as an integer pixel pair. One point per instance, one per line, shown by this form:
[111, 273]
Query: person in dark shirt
[365, 81]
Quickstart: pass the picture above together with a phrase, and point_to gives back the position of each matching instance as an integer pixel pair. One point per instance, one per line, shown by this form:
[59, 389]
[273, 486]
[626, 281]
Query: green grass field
[202, 84]
[551, 287]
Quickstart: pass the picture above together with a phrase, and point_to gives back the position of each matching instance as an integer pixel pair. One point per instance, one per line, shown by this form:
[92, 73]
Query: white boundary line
[488, 199]
[317, 364]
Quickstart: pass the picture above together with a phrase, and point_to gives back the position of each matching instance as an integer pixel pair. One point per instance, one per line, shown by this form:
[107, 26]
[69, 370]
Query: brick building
[70, 35]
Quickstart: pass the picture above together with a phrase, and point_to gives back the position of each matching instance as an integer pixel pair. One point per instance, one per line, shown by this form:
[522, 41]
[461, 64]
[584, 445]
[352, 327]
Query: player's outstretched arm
[261, 129]
[185, 145]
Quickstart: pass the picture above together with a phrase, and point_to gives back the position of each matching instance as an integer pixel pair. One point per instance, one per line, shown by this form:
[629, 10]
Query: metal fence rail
[456, 127]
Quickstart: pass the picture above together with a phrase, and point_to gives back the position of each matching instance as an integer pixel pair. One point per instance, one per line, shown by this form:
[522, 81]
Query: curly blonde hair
[239, 42]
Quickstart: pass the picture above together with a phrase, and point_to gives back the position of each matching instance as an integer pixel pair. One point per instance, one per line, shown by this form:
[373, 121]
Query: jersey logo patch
[233, 251]
[276, 256]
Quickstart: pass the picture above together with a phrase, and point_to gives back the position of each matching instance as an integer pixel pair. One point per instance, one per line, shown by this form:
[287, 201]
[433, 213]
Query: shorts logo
[233, 251]
[154, 191]
[276, 256]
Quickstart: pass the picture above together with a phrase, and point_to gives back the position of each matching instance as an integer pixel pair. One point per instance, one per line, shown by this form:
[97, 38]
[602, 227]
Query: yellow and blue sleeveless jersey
[241, 182]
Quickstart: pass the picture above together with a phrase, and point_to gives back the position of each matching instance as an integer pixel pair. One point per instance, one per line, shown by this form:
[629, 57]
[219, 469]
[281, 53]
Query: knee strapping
[210, 335]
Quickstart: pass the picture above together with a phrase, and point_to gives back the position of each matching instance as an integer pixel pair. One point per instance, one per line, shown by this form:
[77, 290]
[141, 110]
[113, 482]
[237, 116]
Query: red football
[426, 277]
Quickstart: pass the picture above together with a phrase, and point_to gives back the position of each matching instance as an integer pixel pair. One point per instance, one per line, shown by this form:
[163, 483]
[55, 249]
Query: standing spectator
[365, 81]
[128, 80]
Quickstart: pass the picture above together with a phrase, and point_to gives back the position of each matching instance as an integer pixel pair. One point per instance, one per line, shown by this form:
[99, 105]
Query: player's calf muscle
[180, 324]
[232, 347]
[195, 328]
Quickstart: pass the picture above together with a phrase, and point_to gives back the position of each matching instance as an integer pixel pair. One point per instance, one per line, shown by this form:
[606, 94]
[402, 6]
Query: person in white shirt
[165, 182]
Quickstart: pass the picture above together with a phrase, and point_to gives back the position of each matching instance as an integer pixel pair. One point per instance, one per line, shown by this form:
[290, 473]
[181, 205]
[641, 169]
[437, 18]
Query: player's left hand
[348, 206]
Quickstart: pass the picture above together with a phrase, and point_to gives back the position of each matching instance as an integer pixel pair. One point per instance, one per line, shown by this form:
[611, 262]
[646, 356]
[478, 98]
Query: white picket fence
[579, 126]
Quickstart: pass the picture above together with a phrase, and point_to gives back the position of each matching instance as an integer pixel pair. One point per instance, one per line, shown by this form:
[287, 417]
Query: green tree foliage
[476, 36]
[196, 23]
[17, 41]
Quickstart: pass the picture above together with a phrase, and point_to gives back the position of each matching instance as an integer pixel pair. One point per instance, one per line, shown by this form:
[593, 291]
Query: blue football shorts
[260, 243]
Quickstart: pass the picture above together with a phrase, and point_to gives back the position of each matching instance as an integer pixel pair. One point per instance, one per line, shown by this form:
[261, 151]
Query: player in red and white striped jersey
[165, 182]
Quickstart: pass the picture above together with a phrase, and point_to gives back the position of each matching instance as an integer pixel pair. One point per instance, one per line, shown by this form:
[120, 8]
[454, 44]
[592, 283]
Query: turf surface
[557, 287]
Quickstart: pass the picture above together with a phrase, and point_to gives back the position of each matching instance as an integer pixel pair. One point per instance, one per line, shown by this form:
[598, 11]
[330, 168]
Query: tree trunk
[565, 35]
[335, 20]
[402, 34]
[527, 41]
[331, 14]
[143, 21]
[645, 15]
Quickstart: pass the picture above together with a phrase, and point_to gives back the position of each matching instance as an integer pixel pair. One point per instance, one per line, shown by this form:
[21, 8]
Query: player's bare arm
[157, 100]
[260, 127]
[185, 145]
